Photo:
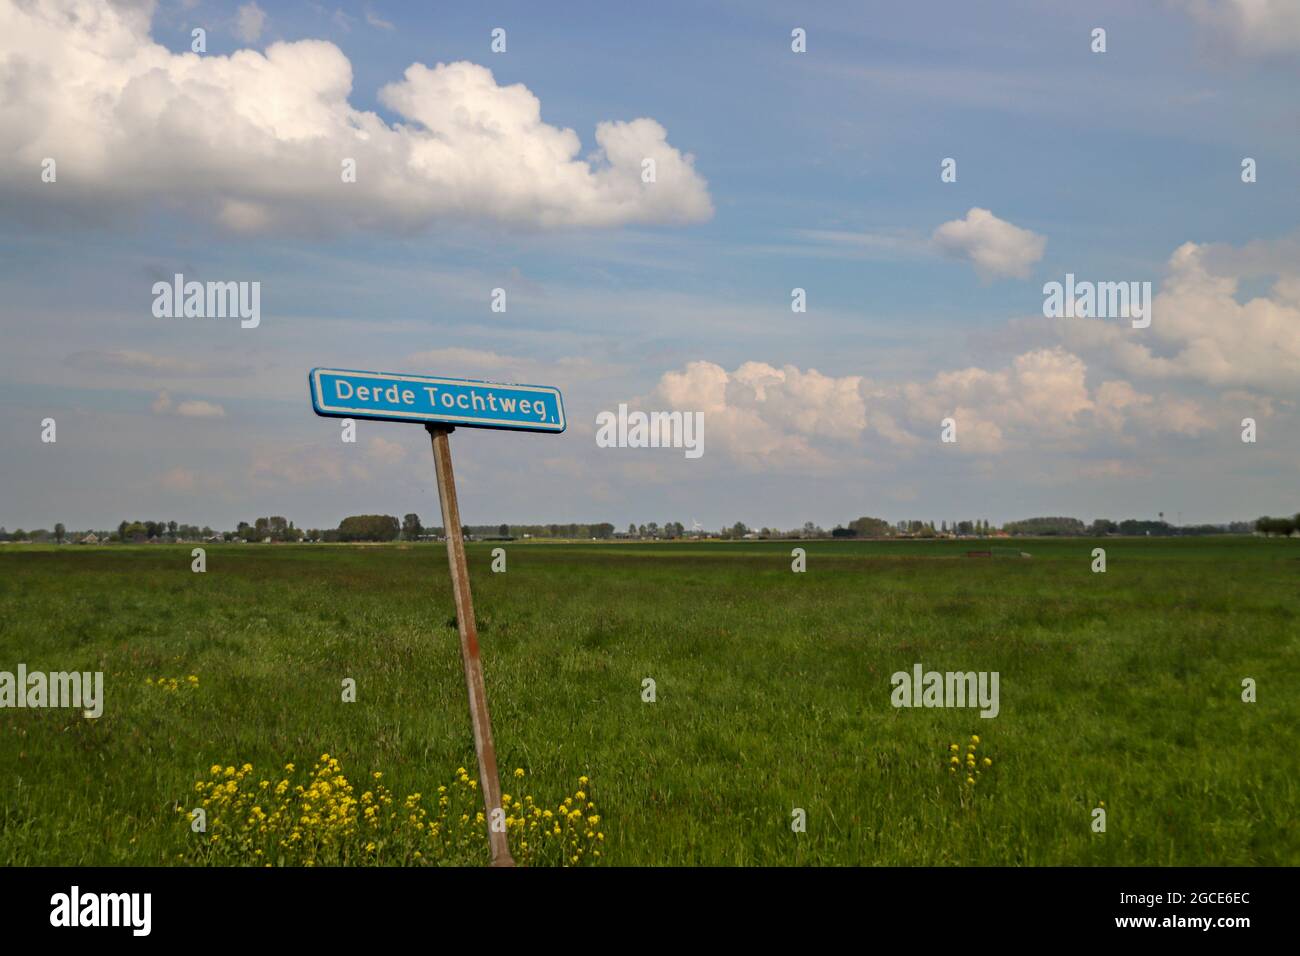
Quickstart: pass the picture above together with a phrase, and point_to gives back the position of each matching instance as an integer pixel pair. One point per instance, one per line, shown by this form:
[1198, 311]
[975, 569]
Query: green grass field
[773, 693]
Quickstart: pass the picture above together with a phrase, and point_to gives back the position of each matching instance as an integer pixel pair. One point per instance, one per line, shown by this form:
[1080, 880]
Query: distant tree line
[160, 531]
[601, 529]
[1048, 526]
[369, 528]
[867, 527]
[388, 528]
[274, 528]
[1283, 526]
[36, 535]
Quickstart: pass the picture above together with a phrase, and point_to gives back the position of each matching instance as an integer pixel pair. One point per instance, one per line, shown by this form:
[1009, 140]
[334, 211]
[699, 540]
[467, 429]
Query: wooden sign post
[441, 404]
[478, 709]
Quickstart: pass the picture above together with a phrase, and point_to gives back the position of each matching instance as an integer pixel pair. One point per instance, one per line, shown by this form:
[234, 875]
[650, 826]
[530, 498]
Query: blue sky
[817, 170]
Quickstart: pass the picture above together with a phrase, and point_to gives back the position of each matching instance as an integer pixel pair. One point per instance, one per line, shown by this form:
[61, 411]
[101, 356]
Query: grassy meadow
[772, 688]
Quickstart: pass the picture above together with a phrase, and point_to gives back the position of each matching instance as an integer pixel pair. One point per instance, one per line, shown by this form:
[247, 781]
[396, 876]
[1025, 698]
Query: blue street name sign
[343, 393]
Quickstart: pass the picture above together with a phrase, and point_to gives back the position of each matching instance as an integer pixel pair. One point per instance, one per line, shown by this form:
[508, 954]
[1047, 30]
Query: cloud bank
[1200, 333]
[262, 139]
[764, 416]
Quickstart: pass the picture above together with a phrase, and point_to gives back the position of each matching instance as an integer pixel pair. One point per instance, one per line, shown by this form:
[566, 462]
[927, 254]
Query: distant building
[91, 538]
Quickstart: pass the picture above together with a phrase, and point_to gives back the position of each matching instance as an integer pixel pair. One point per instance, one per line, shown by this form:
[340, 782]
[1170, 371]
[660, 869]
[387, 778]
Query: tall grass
[772, 693]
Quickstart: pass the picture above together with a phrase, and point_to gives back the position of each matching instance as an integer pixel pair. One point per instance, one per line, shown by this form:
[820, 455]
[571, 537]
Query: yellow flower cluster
[321, 820]
[172, 684]
[972, 767]
[569, 835]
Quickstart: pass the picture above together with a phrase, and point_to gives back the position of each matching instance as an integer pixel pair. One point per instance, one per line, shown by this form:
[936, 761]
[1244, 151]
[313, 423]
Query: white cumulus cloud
[996, 248]
[128, 121]
[1200, 332]
[759, 411]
